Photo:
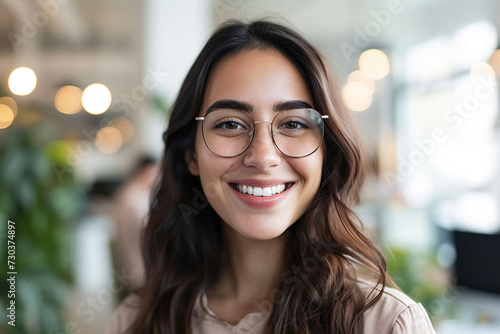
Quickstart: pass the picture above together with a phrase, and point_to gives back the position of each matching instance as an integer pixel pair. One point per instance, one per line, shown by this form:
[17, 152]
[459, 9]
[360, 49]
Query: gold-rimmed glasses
[296, 133]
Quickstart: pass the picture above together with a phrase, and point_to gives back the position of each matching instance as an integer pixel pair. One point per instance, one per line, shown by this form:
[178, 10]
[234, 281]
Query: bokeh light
[22, 81]
[482, 69]
[360, 76]
[68, 100]
[495, 61]
[96, 99]
[357, 96]
[374, 64]
[6, 116]
[108, 140]
[10, 102]
[124, 126]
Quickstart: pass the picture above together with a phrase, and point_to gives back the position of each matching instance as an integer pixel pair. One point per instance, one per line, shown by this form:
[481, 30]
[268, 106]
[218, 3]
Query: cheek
[210, 178]
[205, 158]
[199, 143]
[311, 169]
[212, 170]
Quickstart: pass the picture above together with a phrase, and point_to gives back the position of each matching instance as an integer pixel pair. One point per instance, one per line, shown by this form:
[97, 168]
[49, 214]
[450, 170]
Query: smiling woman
[272, 246]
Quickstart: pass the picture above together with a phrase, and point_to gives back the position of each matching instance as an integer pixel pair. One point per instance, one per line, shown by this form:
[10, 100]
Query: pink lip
[263, 201]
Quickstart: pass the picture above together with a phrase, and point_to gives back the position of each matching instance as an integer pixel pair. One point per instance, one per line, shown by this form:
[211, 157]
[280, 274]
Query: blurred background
[85, 90]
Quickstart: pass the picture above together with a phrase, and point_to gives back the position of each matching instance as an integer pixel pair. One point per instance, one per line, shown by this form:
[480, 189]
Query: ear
[192, 162]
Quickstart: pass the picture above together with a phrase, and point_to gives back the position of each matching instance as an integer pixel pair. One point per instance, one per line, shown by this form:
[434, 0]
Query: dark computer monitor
[477, 264]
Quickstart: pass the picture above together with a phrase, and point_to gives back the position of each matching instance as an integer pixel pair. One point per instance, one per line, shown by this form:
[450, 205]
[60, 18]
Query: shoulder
[394, 312]
[124, 315]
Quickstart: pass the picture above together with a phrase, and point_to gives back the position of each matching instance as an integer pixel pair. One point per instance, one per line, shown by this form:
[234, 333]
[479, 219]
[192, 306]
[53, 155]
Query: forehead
[258, 77]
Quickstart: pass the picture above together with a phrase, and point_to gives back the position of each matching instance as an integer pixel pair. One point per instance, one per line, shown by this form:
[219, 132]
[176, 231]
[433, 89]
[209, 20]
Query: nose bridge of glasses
[257, 122]
[263, 122]
[253, 133]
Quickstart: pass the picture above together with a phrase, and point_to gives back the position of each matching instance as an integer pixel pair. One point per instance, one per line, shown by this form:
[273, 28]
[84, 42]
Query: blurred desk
[478, 313]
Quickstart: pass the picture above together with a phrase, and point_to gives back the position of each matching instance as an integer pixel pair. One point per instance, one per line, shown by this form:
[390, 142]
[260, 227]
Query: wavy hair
[182, 243]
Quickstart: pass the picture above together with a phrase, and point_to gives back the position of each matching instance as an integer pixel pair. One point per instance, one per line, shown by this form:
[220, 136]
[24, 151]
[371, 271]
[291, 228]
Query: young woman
[250, 227]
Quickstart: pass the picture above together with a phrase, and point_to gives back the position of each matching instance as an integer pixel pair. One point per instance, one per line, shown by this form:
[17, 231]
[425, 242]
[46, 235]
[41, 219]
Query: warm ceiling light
[108, 140]
[482, 69]
[374, 63]
[96, 99]
[10, 102]
[124, 126]
[360, 76]
[357, 96]
[22, 81]
[6, 116]
[495, 61]
[68, 100]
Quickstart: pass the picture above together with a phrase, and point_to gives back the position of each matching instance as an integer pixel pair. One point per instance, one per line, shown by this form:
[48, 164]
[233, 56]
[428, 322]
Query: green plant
[160, 104]
[43, 206]
[422, 279]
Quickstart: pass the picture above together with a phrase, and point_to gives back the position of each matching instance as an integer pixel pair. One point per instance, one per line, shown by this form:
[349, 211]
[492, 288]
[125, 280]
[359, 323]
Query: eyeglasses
[296, 133]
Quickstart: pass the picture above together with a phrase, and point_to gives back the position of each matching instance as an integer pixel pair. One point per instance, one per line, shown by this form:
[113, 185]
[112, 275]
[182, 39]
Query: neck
[254, 267]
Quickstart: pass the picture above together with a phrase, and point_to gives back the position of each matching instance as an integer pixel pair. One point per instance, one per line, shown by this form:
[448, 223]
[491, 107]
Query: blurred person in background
[130, 209]
[251, 228]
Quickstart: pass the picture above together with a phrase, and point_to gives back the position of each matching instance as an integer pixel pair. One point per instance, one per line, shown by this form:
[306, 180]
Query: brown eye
[292, 125]
[229, 125]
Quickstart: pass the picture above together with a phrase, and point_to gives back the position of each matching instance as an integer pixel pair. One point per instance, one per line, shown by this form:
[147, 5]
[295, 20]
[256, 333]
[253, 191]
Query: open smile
[262, 191]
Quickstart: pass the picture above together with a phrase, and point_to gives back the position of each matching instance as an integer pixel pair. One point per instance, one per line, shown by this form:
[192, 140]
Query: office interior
[85, 93]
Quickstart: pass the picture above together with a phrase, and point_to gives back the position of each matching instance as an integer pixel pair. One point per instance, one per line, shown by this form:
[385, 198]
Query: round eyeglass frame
[252, 134]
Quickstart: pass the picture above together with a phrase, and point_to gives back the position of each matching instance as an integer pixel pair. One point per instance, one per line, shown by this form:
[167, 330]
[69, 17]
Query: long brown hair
[182, 242]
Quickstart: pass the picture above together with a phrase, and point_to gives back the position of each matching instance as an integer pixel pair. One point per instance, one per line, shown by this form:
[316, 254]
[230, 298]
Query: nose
[262, 153]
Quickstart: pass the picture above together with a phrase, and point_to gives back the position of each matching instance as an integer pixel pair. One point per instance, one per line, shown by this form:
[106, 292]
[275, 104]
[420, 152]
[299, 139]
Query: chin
[261, 233]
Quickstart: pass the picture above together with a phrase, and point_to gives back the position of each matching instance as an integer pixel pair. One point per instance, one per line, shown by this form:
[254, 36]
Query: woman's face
[263, 81]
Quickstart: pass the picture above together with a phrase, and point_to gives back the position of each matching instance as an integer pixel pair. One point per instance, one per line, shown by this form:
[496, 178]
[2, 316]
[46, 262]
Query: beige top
[393, 313]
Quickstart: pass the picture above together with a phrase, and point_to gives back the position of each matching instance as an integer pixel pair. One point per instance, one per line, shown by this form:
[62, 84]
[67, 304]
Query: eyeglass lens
[296, 133]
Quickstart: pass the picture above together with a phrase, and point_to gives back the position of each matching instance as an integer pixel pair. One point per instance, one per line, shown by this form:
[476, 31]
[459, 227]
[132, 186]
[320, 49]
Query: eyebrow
[244, 106]
[292, 104]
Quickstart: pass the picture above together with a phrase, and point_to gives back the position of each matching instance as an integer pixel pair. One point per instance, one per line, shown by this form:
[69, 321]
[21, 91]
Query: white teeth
[266, 191]
[258, 191]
